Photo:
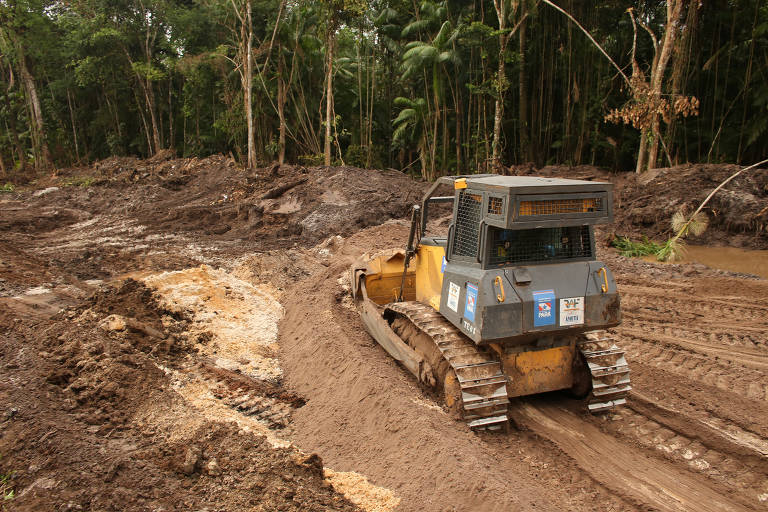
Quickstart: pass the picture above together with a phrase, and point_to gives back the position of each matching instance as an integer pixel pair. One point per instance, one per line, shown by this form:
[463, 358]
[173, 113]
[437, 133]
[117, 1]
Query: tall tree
[337, 12]
[505, 10]
[21, 22]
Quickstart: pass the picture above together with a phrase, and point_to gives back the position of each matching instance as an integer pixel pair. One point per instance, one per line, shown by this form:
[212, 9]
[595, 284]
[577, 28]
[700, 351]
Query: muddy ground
[178, 335]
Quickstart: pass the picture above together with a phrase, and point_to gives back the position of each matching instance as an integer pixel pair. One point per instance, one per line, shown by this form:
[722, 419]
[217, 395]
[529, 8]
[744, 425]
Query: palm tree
[430, 58]
[410, 126]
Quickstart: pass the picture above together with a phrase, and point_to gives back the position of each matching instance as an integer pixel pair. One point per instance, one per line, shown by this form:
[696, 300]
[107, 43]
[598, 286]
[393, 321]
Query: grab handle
[501, 296]
[604, 286]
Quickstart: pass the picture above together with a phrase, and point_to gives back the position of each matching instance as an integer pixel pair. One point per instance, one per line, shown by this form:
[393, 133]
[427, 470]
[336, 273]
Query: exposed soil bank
[91, 420]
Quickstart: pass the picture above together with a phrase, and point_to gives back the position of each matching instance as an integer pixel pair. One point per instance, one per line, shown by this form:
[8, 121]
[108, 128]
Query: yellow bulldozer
[510, 302]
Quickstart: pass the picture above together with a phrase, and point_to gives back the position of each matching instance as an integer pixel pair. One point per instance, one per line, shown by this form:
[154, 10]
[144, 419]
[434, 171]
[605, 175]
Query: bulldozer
[510, 302]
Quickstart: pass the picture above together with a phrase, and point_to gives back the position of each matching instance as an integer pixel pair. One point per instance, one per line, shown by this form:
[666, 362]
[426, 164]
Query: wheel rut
[627, 471]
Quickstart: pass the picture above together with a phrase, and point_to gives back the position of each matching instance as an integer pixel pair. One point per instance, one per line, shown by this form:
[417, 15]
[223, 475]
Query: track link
[609, 369]
[483, 385]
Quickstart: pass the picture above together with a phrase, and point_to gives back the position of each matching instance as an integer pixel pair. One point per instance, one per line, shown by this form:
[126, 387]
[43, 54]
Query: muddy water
[726, 258]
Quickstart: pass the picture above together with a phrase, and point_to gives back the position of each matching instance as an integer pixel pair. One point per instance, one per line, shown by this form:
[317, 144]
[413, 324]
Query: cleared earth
[179, 336]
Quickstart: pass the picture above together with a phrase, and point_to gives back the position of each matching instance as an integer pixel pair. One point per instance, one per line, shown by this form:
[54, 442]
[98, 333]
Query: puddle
[725, 258]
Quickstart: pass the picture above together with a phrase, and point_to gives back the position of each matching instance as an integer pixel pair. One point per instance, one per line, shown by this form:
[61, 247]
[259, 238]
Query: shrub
[633, 249]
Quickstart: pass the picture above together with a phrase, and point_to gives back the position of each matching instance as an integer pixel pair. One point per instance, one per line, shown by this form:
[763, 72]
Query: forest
[431, 88]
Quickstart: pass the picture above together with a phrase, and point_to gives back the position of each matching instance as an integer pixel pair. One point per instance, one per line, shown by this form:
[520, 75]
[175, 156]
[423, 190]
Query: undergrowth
[634, 249]
[79, 181]
[6, 490]
[8, 187]
[671, 250]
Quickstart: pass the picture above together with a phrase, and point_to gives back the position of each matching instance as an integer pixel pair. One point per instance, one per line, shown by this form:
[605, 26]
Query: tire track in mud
[704, 355]
[725, 335]
[627, 471]
[718, 341]
[734, 458]
[661, 299]
[735, 378]
[750, 358]
[713, 431]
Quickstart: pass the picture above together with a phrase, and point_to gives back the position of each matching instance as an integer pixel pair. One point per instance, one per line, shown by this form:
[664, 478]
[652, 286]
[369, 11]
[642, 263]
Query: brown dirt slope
[214, 197]
[90, 422]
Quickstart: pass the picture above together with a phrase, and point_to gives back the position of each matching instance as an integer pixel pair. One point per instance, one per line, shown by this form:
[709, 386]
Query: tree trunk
[14, 130]
[371, 102]
[525, 147]
[642, 153]
[248, 86]
[144, 122]
[433, 149]
[74, 127]
[674, 12]
[170, 113]
[113, 112]
[498, 114]
[329, 93]
[281, 98]
[360, 88]
[501, 14]
[459, 113]
[149, 99]
[38, 129]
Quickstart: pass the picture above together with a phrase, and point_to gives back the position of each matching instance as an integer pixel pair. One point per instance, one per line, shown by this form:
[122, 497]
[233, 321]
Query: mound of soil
[738, 213]
[282, 205]
[90, 420]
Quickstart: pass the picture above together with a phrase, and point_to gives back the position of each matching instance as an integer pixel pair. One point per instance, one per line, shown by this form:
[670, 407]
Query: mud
[734, 259]
[178, 335]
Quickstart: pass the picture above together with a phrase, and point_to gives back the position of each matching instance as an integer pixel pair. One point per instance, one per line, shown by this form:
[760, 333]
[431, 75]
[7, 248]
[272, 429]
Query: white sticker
[572, 311]
[453, 296]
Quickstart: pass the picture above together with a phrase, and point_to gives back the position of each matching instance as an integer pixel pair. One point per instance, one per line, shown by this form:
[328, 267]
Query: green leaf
[405, 115]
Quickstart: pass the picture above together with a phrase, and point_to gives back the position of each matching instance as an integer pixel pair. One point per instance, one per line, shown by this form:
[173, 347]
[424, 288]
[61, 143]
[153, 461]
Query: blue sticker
[543, 308]
[471, 305]
[442, 267]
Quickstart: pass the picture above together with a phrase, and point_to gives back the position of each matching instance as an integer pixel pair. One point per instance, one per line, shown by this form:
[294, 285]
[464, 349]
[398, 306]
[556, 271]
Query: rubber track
[483, 384]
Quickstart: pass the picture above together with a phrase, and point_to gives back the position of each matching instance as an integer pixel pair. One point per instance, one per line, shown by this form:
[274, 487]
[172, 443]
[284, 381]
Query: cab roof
[527, 184]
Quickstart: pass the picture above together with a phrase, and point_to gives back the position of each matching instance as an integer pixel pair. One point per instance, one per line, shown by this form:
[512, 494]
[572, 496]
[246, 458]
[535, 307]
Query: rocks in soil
[191, 460]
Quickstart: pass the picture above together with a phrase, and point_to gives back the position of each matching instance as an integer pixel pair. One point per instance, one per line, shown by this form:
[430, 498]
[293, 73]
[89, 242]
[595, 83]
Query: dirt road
[154, 360]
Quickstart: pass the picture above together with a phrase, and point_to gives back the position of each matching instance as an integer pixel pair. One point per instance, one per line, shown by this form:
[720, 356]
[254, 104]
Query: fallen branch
[276, 192]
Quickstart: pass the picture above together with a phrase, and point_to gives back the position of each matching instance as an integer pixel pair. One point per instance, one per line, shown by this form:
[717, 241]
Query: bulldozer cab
[513, 220]
[518, 251]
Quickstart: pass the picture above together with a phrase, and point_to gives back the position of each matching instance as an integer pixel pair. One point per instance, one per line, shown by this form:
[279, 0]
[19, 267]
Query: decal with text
[572, 311]
[453, 296]
[543, 308]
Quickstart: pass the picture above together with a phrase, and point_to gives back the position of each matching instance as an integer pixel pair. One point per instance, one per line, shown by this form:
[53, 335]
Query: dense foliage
[412, 86]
